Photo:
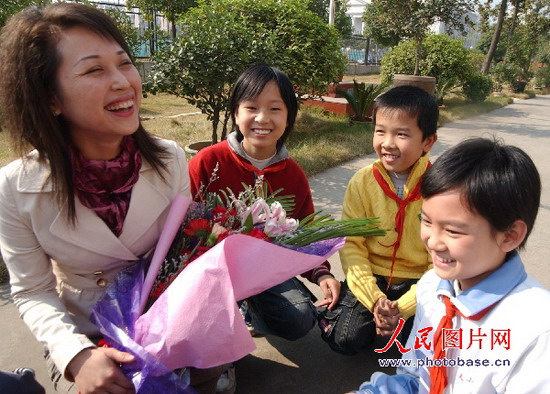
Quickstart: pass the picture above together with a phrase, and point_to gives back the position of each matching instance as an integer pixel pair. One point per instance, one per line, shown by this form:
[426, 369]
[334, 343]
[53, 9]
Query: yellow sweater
[362, 257]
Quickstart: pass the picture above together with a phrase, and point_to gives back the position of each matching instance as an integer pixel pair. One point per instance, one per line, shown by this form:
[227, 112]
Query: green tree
[484, 11]
[221, 38]
[130, 33]
[171, 9]
[342, 22]
[543, 52]
[484, 43]
[527, 38]
[10, 7]
[390, 21]
[523, 34]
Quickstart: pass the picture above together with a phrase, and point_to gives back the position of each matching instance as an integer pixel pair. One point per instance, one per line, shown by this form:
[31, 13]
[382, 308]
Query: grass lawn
[457, 107]
[369, 78]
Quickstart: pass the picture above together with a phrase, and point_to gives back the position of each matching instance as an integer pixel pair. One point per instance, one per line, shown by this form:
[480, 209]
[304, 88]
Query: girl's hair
[28, 83]
[250, 84]
[499, 182]
[413, 101]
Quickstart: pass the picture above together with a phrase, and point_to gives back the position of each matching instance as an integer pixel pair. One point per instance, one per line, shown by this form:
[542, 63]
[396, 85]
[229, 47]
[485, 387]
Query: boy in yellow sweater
[381, 273]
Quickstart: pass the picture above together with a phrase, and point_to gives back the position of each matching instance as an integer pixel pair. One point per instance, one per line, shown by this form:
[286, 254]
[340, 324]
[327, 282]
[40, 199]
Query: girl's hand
[96, 370]
[386, 316]
[331, 290]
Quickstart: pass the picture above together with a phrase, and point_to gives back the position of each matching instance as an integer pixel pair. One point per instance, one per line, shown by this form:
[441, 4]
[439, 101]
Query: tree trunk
[215, 122]
[517, 4]
[152, 39]
[173, 23]
[417, 56]
[496, 36]
[225, 121]
[367, 50]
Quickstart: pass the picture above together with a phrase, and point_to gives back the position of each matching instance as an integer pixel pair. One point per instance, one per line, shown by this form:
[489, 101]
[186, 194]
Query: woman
[92, 196]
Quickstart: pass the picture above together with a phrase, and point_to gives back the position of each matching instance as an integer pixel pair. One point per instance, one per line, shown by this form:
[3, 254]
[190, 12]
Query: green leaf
[248, 225]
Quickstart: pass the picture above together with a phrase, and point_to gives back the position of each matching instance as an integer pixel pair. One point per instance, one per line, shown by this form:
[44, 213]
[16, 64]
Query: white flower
[218, 229]
[259, 210]
[274, 228]
[278, 224]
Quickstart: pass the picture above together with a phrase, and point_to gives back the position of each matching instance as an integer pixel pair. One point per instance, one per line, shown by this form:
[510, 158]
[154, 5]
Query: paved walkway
[308, 365]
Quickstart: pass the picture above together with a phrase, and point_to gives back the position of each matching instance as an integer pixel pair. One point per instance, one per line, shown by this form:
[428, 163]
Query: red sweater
[234, 170]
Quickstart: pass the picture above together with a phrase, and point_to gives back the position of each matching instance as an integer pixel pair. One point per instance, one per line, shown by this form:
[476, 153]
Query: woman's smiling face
[98, 90]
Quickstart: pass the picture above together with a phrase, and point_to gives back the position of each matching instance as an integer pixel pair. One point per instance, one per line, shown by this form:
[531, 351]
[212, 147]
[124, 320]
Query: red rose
[258, 233]
[199, 228]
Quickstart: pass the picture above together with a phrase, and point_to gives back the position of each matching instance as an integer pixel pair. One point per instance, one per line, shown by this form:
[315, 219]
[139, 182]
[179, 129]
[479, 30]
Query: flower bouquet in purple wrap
[180, 309]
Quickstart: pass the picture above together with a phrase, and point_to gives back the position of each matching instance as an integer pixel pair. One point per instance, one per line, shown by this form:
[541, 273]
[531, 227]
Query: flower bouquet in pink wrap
[180, 309]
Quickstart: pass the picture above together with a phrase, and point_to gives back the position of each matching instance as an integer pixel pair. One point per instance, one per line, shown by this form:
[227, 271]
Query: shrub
[443, 58]
[518, 86]
[398, 60]
[477, 59]
[478, 87]
[512, 74]
[502, 74]
[542, 76]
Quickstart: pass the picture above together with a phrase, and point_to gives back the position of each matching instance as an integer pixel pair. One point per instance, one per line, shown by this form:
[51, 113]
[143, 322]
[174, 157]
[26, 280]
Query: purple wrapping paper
[115, 315]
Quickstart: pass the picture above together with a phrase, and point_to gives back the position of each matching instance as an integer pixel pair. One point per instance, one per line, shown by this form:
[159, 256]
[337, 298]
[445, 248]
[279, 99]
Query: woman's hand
[96, 370]
[331, 290]
[386, 316]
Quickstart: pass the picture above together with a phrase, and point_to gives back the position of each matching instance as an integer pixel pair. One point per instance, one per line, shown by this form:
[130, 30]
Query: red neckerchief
[279, 166]
[438, 375]
[400, 215]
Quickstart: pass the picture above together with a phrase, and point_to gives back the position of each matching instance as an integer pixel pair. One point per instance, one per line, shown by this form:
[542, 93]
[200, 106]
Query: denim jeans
[24, 383]
[285, 310]
[350, 327]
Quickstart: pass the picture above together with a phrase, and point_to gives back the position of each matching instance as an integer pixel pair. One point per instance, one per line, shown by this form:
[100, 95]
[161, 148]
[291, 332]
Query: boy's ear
[429, 142]
[514, 236]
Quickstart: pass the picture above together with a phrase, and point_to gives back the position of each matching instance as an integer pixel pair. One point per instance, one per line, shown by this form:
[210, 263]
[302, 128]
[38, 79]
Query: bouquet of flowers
[211, 254]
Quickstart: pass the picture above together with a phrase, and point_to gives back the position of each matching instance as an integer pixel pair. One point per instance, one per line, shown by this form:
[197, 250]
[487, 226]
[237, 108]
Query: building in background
[152, 22]
[472, 32]
[355, 12]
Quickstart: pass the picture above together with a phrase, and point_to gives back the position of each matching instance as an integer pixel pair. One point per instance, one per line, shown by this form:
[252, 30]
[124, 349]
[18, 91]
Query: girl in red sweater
[263, 108]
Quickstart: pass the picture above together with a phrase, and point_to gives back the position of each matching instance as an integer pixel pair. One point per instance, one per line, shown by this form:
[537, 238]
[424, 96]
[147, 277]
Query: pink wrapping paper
[175, 217]
[196, 321]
